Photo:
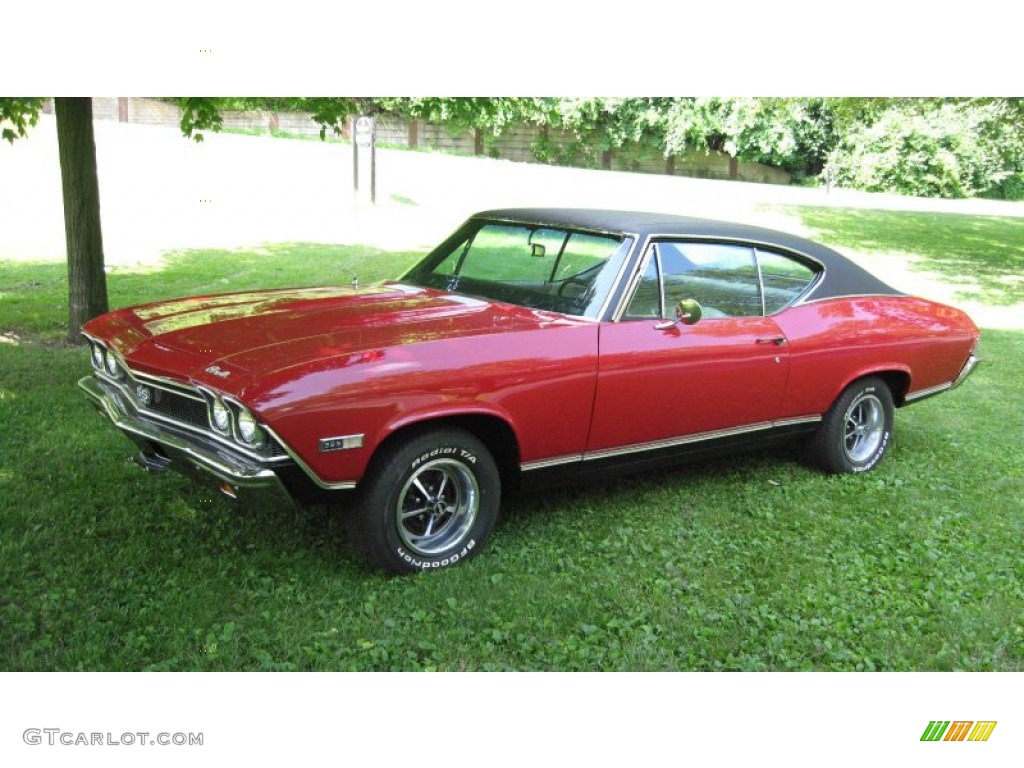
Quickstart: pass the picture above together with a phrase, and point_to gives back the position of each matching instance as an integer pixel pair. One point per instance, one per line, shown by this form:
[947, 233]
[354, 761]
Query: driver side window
[723, 278]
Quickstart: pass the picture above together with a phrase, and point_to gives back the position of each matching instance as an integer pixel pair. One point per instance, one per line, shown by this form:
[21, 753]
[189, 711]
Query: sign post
[364, 134]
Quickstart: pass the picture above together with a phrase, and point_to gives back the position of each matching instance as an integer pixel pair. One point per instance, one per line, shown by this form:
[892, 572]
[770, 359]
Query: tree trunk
[87, 282]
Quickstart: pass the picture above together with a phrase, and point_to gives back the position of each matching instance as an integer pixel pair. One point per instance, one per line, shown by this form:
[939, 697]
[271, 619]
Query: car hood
[241, 335]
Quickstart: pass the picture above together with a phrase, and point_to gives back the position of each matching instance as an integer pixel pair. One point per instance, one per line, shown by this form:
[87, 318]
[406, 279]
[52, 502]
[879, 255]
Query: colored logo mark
[958, 730]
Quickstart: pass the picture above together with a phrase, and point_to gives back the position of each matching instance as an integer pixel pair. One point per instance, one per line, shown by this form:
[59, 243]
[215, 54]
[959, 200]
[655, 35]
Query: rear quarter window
[783, 278]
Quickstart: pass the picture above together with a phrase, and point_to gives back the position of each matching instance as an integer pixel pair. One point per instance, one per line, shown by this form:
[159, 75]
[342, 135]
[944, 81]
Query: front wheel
[857, 430]
[429, 501]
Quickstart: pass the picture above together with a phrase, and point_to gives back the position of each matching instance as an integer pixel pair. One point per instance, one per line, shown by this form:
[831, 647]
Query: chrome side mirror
[688, 312]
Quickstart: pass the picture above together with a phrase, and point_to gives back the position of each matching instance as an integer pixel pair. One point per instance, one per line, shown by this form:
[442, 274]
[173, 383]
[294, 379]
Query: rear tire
[857, 430]
[428, 501]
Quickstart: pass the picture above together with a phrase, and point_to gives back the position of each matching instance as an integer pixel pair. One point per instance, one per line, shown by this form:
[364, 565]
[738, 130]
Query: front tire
[429, 501]
[857, 430]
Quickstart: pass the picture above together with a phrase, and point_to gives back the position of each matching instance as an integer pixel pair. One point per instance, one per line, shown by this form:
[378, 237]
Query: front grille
[180, 404]
[180, 408]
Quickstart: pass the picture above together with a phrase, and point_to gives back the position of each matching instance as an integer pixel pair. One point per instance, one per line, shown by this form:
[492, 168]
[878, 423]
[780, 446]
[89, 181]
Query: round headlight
[112, 366]
[248, 428]
[97, 357]
[221, 416]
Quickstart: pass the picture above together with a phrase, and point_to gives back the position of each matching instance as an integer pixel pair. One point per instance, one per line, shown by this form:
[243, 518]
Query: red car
[530, 345]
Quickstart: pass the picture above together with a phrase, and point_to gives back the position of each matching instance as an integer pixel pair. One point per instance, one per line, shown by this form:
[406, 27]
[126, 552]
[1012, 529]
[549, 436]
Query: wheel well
[898, 383]
[492, 431]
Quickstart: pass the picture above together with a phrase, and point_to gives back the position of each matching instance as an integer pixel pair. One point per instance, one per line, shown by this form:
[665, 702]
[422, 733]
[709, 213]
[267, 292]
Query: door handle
[778, 341]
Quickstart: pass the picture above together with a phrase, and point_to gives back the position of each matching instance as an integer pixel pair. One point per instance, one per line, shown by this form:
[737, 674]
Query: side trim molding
[545, 463]
[923, 393]
[343, 486]
[762, 426]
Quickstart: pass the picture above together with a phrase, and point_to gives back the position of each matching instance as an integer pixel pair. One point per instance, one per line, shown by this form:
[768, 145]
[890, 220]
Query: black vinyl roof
[842, 276]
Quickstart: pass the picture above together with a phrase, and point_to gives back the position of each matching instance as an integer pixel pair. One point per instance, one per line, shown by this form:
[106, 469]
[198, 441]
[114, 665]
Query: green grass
[329, 136]
[985, 254]
[755, 562]
[34, 301]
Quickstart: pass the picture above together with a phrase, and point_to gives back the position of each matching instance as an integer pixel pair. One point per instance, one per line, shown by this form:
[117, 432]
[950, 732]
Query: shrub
[943, 151]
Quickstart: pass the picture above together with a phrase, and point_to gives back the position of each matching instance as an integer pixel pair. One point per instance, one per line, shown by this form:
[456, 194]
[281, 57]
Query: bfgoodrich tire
[429, 501]
[857, 430]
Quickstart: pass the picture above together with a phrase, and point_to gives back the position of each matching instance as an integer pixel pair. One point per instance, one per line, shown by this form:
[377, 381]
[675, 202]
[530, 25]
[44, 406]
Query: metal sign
[364, 131]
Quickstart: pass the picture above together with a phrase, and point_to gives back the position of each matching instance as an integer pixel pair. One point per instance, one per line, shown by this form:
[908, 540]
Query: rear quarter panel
[837, 341]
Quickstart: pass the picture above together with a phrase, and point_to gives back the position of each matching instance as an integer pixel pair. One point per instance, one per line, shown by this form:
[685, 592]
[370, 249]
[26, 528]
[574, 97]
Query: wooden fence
[522, 143]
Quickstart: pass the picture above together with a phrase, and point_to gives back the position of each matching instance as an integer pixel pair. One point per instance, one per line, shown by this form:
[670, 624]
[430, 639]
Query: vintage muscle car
[530, 345]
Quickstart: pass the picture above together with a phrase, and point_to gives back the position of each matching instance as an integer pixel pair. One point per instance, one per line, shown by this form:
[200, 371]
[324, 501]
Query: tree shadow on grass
[34, 296]
[985, 254]
[272, 265]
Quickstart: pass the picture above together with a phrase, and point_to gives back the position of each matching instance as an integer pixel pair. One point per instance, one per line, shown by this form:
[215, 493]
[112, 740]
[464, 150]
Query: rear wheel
[857, 430]
[428, 501]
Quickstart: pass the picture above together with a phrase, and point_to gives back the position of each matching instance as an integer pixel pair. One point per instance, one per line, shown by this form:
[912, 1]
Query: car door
[661, 384]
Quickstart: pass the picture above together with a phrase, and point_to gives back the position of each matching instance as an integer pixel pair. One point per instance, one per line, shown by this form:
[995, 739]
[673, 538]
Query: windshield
[549, 268]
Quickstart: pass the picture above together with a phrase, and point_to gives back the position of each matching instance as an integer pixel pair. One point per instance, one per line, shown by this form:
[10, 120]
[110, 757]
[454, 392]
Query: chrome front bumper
[166, 446]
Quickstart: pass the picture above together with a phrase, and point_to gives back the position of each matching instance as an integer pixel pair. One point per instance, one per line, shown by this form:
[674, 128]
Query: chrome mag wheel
[437, 506]
[856, 432]
[865, 426]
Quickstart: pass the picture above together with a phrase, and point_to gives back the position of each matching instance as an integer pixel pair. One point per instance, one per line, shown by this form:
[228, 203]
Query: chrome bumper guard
[164, 447]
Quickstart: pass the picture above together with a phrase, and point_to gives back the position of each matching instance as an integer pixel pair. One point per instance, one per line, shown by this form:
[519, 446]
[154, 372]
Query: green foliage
[492, 115]
[577, 153]
[787, 133]
[459, 114]
[925, 146]
[199, 113]
[945, 150]
[933, 147]
[1009, 188]
[609, 123]
[794, 134]
[332, 112]
[17, 115]
[264, 104]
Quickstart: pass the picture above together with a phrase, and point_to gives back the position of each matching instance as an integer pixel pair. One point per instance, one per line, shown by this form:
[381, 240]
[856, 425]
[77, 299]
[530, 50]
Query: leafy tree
[20, 113]
[935, 148]
[613, 122]
[87, 286]
[603, 125]
[456, 113]
[198, 114]
[491, 115]
[789, 133]
[331, 113]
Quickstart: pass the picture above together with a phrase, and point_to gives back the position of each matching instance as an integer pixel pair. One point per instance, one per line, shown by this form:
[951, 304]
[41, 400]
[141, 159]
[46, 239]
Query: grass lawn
[985, 254]
[750, 563]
